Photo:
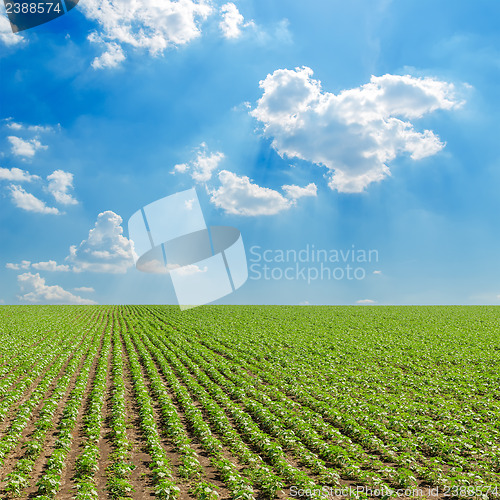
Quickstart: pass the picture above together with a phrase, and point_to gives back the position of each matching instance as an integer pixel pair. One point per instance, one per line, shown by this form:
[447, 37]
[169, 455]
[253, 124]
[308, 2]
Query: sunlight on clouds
[356, 133]
[150, 25]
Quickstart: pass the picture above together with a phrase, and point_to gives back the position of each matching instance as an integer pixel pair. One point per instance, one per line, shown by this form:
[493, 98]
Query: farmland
[241, 402]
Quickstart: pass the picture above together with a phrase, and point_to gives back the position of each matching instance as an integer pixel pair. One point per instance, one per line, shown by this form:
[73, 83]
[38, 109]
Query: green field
[249, 402]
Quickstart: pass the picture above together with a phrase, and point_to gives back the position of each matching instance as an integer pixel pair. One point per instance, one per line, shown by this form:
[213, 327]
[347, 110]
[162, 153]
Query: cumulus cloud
[29, 202]
[16, 175]
[202, 167]
[26, 148]
[356, 133]
[25, 264]
[150, 25]
[105, 250]
[239, 196]
[232, 21]
[85, 289]
[38, 291]
[60, 182]
[50, 265]
[296, 192]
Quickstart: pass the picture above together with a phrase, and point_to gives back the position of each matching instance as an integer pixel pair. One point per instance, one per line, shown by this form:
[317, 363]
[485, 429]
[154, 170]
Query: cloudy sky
[331, 126]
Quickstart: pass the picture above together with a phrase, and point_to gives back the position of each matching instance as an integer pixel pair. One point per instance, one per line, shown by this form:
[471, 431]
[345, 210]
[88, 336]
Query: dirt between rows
[18, 452]
[41, 465]
[209, 473]
[7, 421]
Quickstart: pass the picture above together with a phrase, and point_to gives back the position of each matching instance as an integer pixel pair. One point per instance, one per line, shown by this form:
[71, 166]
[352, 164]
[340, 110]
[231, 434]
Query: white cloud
[42, 128]
[296, 192]
[202, 167]
[59, 184]
[239, 196]
[232, 21]
[366, 302]
[151, 25]
[355, 133]
[37, 129]
[86, 289]
[38, 291]
[377, 272]
[50, 265]
[110, 58]
[29, 202]
[6, 36]
[16, 175]
[154, 266]
[187, 270]
[105, 250]
[26, 148]
[14, 126]
[181, 168]
[25, 264]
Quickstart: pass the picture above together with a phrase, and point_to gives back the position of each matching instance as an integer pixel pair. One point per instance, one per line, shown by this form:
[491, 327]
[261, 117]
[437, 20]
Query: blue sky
[322, 123]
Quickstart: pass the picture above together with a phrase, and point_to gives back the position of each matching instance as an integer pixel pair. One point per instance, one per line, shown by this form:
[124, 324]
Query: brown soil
[67, 489]
[18, 452]
[210, 473]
